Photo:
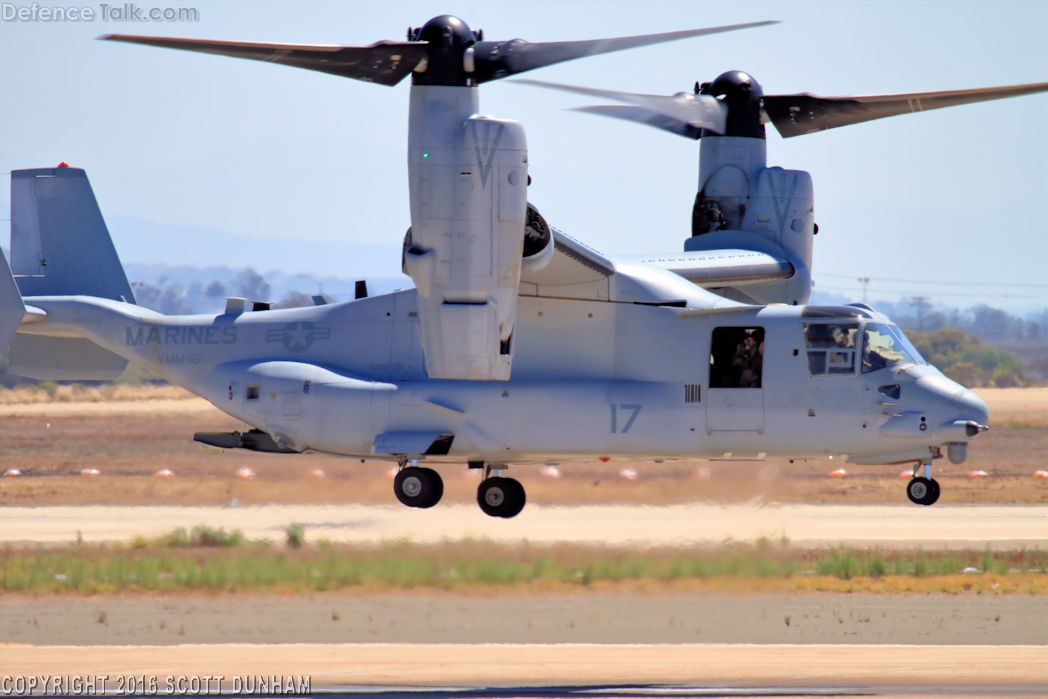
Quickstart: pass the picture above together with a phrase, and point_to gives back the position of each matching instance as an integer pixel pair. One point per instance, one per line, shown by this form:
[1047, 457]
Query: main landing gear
[498, 496]
[417, 487]
[923, 490]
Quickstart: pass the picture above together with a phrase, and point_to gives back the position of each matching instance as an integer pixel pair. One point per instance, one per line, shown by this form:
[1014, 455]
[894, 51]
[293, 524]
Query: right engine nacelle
[538, 241]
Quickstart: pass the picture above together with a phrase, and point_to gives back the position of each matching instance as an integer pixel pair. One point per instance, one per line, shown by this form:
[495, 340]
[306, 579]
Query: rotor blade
[643, 115]
[384, 62]
[702, 111]
[795, 115]
[499, 59]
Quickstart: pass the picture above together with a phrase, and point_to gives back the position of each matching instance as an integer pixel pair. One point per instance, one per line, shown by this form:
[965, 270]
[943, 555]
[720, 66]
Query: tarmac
[941, 526]
[555, 670]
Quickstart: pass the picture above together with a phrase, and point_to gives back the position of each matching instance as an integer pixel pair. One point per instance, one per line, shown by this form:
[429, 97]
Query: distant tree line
[172, 297]
[980, 321]
[967, 360]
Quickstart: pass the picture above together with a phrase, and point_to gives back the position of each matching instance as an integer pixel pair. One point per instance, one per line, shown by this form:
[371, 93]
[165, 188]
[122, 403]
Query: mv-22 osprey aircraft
[518, 342]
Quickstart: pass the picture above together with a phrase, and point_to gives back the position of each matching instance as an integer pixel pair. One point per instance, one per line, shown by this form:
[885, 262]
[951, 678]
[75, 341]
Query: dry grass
[80, 393]
[224, 561]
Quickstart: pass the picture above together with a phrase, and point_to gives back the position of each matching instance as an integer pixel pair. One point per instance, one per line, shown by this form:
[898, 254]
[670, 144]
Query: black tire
[491, 496]
[501, 497]
[515, 502]
[933, 492]
[413, 487]
[920, 491]
[436, 488]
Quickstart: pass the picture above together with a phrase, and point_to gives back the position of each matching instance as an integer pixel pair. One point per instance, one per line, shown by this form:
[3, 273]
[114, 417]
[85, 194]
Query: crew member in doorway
[748, 362]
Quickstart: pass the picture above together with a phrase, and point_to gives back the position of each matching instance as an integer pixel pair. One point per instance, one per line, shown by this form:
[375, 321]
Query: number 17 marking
[635, 411]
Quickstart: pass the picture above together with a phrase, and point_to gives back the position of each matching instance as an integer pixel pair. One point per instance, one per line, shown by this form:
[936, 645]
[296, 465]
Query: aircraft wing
[723, 267]
[577, 271]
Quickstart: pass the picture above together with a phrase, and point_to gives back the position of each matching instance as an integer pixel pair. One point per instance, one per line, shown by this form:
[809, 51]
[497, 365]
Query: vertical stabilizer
[60, 246]
[11, 307]
[59, 241]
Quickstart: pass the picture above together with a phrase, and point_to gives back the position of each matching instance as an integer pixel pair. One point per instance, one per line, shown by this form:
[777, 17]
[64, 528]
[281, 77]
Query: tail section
[12, 310]
[60, 246]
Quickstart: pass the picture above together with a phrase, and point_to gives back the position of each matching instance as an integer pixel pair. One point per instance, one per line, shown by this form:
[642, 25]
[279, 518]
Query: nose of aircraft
[972, 407]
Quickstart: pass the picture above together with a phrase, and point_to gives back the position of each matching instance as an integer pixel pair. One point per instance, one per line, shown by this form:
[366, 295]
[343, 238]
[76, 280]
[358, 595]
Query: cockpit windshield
[884, 345]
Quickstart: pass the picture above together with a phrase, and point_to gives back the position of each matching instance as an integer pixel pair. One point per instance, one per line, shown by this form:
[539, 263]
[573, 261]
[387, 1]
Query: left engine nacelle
[744, 204]
[468, 178]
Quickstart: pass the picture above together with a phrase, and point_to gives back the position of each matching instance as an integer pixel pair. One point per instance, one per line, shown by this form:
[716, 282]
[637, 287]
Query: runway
[619, 525]
[539, 669]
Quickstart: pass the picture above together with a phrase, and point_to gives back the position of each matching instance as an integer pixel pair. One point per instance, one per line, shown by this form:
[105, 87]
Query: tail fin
[60, 245]
[12, 310]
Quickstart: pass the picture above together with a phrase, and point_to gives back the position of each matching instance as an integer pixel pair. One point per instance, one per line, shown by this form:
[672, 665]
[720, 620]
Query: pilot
[842, 337]
[872, 360]
[841, 360]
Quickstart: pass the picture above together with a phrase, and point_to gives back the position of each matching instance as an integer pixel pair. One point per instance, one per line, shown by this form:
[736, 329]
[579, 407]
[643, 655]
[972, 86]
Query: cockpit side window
[736, 357]
[831, 348]
[883, 346]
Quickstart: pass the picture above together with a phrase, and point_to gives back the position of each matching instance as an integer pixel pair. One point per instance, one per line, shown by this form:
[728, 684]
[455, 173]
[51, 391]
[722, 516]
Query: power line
[947, 294]
[942, 283]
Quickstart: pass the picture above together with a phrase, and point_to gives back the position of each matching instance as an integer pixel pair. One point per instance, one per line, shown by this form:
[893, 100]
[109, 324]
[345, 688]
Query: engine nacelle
[538, 242]
[468, 178]
[742, 203]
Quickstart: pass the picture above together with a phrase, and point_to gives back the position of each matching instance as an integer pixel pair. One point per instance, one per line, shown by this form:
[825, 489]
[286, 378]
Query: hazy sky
[952, 199]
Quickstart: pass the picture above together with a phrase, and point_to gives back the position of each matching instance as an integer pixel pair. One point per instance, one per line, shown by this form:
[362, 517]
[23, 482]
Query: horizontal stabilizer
[62, 359]
[252, 440]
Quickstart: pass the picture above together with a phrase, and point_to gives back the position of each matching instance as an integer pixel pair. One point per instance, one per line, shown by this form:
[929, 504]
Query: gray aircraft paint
[591, 377]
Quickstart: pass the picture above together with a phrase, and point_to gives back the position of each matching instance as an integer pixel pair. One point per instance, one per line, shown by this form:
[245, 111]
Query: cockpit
[839, 347]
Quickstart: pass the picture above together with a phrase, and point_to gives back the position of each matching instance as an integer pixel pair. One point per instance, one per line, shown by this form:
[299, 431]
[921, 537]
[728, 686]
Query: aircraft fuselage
[589, 378]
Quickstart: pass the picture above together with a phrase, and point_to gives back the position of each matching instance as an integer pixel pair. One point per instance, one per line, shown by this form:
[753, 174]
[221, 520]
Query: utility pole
[922, 305]
[865, 281]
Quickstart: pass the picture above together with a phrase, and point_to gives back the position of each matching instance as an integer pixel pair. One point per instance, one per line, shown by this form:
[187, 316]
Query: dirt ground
[581, 616]
[129, 441]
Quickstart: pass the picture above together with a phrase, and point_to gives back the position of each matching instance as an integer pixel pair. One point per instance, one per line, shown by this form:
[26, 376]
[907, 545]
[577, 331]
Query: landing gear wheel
[516, 500]
[922, 491]
[418, 487]
[933, 493]
[501, 497]
[436, 488]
